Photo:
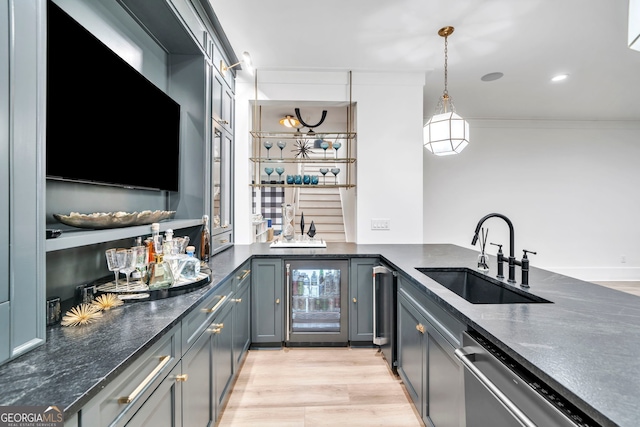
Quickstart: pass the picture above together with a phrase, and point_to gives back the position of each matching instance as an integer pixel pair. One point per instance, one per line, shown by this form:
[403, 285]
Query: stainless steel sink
[479, 289]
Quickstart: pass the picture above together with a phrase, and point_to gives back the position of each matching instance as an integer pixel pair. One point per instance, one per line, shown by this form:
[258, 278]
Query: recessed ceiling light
[491, 77]
[559, 77]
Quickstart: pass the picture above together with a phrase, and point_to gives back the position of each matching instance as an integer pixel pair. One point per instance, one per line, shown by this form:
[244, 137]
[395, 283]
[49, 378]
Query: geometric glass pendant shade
[446, 132]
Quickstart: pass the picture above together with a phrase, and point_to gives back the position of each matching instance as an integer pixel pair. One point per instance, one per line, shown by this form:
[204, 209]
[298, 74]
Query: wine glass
[141, 255]
[269, 171]
[324, 171]
[128, 262]
[335, 172]
[281, 145]
[114, 263]
[324, 145]
[280, 172]
[268, 145]
[336, 146]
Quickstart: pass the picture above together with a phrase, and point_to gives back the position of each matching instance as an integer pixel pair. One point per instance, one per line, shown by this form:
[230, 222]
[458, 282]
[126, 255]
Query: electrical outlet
[380, 224]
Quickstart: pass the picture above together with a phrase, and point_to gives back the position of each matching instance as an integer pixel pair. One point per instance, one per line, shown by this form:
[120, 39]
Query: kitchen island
[584, 344]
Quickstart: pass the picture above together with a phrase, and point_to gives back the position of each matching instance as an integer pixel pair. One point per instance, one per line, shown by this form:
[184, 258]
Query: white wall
[571, 189]
[389, 144]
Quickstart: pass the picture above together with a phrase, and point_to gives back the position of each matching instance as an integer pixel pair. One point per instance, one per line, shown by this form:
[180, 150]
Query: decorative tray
[315, 243]
[138, 291]
[104, 220]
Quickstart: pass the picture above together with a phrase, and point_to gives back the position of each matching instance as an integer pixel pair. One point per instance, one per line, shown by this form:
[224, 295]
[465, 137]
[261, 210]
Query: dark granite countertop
[584, 345]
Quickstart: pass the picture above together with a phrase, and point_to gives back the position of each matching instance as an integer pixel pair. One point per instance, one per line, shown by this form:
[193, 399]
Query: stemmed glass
[128, 262]
[114, 263]
[324, 145]
[269, 171]
[324, 171]
[141, 256]
[280, 172]
[335, 172]
[281, 145]
[336, 146]
[268, 145]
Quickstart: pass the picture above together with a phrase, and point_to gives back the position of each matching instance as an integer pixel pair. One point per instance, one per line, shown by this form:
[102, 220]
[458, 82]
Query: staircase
[321, 204]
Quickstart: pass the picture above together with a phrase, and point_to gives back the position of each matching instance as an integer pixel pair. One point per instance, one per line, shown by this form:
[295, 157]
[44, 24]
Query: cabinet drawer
[242, 277]
[128, 391]
[196, 321]
[220, 241]
[450, 327]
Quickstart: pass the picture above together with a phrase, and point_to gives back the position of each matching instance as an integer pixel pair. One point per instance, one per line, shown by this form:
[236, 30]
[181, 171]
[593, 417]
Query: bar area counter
[584, 343]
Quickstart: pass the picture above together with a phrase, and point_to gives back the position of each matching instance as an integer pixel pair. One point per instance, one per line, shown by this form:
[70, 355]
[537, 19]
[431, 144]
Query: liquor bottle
[190, 265]
[160, 274]
[155, 237]
[205, 243]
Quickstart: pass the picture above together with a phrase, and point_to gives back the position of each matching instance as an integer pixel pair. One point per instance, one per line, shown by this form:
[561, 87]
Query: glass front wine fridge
[317, 293]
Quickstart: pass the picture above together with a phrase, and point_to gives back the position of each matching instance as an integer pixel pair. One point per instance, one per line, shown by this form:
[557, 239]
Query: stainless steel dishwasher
[501, 392]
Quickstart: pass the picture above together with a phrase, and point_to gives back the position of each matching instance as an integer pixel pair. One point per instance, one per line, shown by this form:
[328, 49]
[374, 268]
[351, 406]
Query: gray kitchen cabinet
[22, 83]
[267, 302]
[164, 407]
[198, 402]
[222, 356]
[125, 396]
[426, 363]
[241, 315]
[361, 299]
[200, 330]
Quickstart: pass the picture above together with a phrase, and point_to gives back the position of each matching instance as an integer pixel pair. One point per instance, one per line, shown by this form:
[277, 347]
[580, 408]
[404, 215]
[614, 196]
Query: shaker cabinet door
[267, 289]
[361, 299]
[4, 180]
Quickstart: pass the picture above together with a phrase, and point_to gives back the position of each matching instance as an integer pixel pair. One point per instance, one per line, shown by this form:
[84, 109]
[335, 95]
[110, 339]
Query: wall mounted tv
[106, 123]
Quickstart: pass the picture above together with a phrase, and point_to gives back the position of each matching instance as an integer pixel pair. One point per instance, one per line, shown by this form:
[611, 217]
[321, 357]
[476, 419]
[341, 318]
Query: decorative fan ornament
[107, 302]
[303, 149]
[82, 314]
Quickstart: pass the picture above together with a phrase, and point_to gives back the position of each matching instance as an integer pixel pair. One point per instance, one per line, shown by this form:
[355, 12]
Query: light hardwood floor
[318, 387]
[628, 287]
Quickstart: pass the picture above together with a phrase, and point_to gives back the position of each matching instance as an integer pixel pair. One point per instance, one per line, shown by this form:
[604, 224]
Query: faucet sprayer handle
[498, 245]
[525, 252]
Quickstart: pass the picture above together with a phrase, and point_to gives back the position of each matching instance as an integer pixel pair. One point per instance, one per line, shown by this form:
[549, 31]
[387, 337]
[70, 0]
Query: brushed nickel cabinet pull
[355, 300]
[215, 307]
[420, 328]
[182, 377]
[237, 300]
[214, 330]
[128, 399]
[277, 300]
[246, 273]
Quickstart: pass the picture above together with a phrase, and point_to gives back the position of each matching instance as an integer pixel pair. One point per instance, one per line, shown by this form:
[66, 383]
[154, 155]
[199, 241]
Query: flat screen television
[106, 123]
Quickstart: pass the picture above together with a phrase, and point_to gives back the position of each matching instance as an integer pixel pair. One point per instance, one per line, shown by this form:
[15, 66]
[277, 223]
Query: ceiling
[528, 40]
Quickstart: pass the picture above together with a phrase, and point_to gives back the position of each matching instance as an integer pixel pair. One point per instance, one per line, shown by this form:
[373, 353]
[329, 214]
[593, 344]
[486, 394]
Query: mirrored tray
[104, 220]
[138, 291]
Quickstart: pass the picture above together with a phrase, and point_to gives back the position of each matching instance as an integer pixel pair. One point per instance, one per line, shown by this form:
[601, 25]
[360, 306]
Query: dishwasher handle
[465, 354]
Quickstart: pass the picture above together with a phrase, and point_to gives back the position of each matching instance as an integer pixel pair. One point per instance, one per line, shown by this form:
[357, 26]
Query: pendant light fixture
[446, 132]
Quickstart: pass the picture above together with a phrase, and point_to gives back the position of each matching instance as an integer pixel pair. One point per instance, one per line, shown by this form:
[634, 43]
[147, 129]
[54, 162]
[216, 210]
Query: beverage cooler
[317, 292]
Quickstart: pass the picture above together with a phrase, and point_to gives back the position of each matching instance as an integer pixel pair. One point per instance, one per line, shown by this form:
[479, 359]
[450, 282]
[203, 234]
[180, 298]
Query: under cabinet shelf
[301, 135]
[282, 185]
[73, 238]
[300, 160]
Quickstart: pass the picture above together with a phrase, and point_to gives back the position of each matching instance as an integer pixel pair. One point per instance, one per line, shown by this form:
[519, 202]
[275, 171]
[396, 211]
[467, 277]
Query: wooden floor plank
[305, 387]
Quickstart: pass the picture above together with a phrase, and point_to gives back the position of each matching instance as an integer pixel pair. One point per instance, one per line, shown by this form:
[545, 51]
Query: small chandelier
[446, 132]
